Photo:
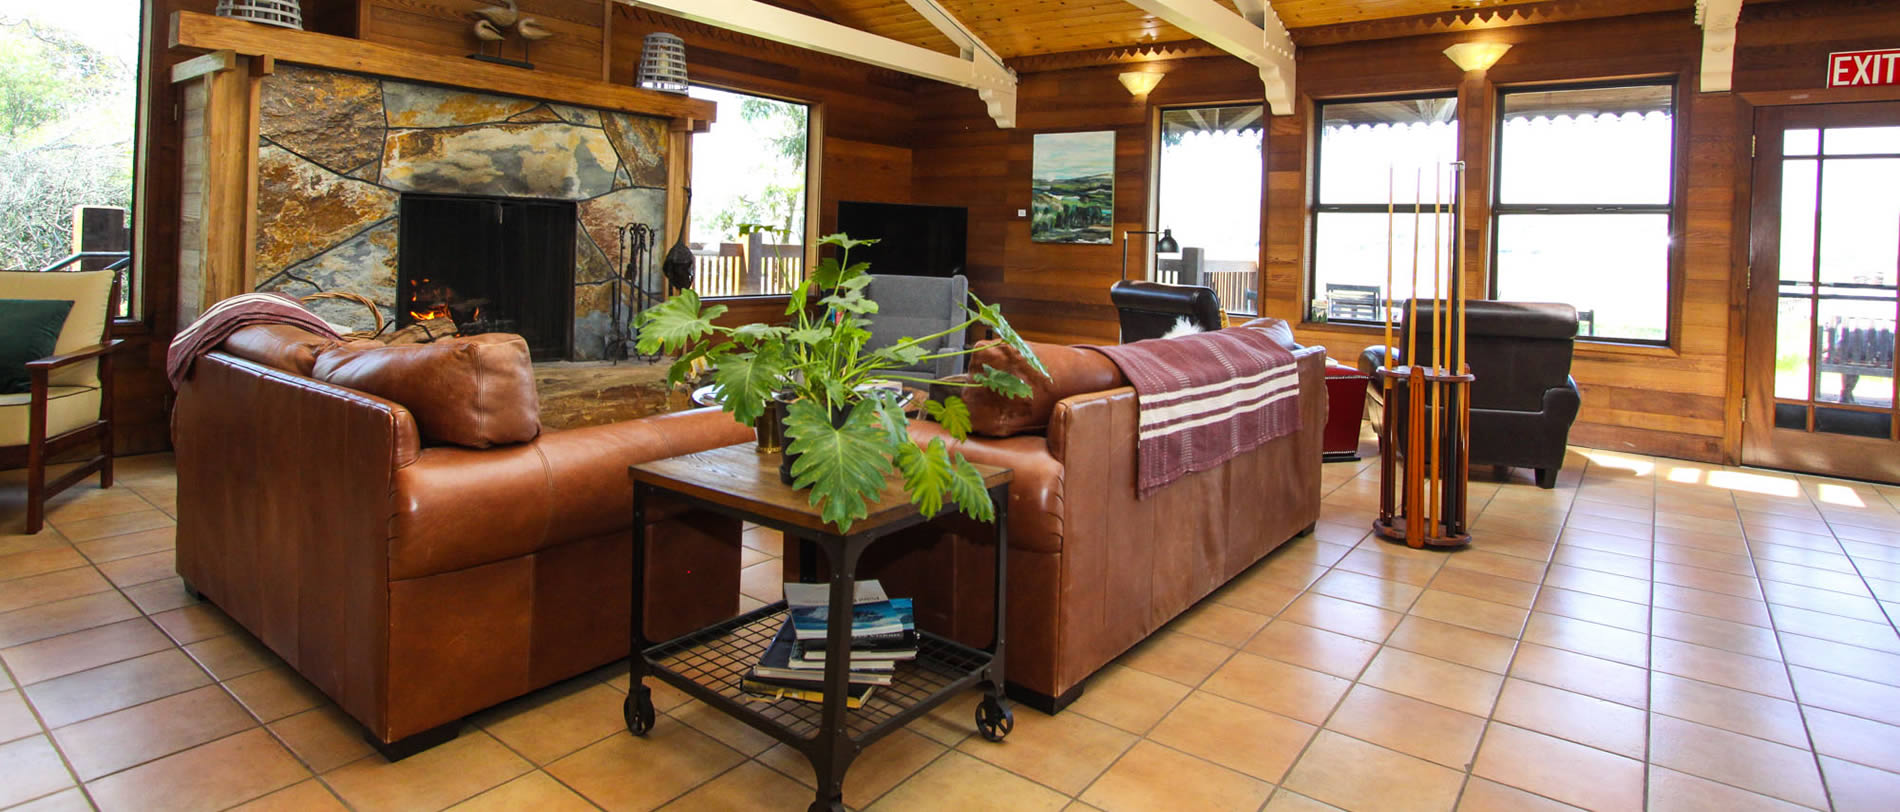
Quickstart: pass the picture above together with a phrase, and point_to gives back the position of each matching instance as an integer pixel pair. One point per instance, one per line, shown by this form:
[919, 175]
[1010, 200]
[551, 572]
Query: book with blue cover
[875, 618]
[775, 668]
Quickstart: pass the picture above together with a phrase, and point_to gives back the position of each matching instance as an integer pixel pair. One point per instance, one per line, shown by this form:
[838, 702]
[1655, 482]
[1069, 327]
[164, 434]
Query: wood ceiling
[1016, 29]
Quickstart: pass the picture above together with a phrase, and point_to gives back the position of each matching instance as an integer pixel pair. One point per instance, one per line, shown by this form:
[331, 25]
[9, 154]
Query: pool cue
[1414, 462]
[1464, 401]
[1385, 381]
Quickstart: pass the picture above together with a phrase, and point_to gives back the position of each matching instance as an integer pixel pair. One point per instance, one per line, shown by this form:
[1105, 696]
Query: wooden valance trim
[204, 32]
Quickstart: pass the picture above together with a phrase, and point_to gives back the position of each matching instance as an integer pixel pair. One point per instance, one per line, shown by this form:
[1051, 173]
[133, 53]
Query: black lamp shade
[1167, 245]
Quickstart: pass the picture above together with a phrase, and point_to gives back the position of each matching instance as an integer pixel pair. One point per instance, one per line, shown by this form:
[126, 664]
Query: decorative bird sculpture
[502, 16]
[531, 30]
[487, 32]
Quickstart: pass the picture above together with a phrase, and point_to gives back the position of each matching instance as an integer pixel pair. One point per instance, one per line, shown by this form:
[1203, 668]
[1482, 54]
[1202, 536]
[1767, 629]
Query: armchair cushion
[916, 306]
[67, 408]
[29, 330]
[85, 325]
[476, 391]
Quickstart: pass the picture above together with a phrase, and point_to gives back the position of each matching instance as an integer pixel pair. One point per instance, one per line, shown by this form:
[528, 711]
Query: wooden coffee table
[708, 664]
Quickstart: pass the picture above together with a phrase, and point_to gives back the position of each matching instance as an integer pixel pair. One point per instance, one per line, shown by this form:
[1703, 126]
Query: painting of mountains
[1072, 188]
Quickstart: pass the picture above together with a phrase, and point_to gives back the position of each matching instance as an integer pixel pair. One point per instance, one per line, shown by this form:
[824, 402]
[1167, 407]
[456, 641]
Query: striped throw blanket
[230, 315]
[1205, 398]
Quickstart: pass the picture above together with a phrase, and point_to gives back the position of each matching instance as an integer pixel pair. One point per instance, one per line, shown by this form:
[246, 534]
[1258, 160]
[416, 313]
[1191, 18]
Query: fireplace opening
[489, 265]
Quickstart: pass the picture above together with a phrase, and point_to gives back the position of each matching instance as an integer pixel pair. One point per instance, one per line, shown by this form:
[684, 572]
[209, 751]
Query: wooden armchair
[70, 403]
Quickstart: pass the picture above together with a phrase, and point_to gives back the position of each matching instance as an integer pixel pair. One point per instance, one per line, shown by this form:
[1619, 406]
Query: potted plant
[845, 434]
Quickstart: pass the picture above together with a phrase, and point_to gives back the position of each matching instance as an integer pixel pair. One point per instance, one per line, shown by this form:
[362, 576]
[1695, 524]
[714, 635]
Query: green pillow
[29, 329]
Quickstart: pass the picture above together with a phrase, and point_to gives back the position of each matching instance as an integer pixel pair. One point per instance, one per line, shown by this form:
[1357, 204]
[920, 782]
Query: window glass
[749, 196]
[1211, 167]
[1377, 155]
[1586, 181]
[68, 102]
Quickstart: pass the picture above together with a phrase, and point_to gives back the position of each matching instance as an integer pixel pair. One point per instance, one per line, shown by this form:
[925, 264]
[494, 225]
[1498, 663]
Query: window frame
[1150, 258]
[1672, 271]
[1314, 208]
[814, 154]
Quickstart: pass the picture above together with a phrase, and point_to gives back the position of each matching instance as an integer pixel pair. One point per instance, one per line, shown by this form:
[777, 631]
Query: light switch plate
[1022, 212]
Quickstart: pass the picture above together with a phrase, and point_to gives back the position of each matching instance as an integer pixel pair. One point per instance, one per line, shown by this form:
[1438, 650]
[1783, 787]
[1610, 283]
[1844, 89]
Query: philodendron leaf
[1001, 382]
[808, 335]
[899, 356]
[971, 496]
[850, 301]
[843, 466]
[992, 315]
[951, 413]
[746, 381]
[676, 322]
[755, 332]
[928, 473]
[890, 416]
[841, 240]
[797, 301]
[678, 370]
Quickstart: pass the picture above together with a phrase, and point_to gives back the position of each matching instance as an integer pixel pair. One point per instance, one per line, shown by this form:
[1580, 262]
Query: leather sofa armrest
[1036, 494]
[587, 467]
[1371, 358]
[1561, 403]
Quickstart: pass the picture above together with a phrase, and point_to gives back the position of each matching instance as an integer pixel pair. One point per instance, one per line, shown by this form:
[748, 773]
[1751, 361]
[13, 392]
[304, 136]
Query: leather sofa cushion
[1072, 371]
[475, 391]
[279, 346]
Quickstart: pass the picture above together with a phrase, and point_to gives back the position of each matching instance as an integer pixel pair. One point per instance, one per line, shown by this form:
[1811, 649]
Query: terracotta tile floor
[1651, 633]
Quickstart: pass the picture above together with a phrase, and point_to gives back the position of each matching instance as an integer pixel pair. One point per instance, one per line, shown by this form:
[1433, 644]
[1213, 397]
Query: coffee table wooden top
[739, 477]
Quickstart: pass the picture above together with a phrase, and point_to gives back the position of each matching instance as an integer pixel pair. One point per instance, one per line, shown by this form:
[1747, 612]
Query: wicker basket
[283, 13]
[362, 300]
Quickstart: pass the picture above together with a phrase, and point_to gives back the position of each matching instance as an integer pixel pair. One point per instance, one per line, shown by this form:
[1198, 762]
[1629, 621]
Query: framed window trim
[1150, 259]
[814, 157]
[1678, 190]
[1314, 208]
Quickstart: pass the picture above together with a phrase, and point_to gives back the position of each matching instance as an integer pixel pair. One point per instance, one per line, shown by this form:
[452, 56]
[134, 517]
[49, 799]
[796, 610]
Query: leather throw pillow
[1072, 371]
[476, 391]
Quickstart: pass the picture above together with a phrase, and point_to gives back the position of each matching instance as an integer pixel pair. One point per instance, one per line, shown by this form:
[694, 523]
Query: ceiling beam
[1254, 10]
[1718, 19]
[966, 40]
[1267, 47]
[993, 82]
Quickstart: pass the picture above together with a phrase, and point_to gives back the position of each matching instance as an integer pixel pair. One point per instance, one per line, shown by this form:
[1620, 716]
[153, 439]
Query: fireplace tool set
[1422, 499]
[636, 244]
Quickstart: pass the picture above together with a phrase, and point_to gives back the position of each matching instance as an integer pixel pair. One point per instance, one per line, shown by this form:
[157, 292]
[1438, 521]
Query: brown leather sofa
[416, 581]
[1092, 569]
[1524, 400]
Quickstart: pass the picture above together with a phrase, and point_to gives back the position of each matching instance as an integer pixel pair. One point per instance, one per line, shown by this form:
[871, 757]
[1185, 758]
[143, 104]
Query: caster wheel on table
[823, 806]
[638, 710]
[993, 720]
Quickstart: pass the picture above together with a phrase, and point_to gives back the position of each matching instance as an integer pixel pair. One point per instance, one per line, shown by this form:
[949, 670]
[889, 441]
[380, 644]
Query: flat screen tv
[915, 240]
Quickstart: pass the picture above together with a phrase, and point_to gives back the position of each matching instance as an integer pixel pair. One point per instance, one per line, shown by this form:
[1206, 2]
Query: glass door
[1824, 264]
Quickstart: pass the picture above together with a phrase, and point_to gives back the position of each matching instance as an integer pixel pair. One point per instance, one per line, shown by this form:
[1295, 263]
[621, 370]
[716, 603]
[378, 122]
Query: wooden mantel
[204, 32]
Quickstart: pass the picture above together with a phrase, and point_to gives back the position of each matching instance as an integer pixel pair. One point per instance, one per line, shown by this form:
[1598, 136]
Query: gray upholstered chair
[911, 306]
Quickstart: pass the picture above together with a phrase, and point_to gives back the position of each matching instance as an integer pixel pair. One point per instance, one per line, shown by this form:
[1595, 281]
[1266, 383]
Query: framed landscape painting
[1072, 188]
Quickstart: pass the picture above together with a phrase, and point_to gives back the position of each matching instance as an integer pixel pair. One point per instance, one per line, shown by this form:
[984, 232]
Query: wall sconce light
[1470, 56]
[1139, 82]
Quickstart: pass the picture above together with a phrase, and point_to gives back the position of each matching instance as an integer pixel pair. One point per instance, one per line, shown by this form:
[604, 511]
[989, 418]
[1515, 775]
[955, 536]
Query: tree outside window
[749, 182]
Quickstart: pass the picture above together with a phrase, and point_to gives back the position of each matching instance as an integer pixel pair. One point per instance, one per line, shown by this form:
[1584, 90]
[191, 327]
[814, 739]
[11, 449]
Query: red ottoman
[1346, 399]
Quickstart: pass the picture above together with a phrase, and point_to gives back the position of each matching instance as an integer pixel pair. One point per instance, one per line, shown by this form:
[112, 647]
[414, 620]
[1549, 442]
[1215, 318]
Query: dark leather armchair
[1524, 400]
[1150, 309]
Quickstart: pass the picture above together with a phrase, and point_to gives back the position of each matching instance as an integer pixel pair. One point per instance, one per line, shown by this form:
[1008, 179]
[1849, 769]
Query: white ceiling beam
[1267, 46]
[1718, 19]
[994, 82]
[934, 13]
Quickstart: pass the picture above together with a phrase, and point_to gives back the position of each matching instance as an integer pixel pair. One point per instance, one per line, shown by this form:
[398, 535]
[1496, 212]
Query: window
[1210, 170]
[68, 100]
[1585, 187]
[749, 196]
[1384, 168]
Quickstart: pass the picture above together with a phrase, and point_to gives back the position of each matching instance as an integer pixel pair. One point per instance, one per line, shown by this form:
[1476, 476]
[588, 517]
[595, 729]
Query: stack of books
[883, 634]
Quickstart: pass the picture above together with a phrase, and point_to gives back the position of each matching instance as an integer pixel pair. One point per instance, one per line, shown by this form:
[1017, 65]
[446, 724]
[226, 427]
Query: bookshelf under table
[709, 664]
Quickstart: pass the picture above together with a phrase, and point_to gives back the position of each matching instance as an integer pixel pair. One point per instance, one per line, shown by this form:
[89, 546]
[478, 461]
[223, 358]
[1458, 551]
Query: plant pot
[786, 457]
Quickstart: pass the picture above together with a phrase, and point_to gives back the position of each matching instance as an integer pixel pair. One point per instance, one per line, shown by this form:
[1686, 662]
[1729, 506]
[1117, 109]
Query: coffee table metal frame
[708, 664]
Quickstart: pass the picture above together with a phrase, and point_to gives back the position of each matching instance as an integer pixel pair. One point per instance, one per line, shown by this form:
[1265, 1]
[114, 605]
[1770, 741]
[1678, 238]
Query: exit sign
[1855, 68]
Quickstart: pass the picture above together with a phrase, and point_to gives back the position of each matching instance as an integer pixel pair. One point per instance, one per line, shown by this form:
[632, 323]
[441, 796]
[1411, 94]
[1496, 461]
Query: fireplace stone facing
[336, 151]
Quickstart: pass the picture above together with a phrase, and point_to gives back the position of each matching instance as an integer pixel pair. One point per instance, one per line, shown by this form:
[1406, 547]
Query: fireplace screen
[489, 265]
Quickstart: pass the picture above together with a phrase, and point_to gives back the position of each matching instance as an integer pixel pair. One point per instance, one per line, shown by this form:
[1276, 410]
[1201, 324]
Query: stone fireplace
[340, 154]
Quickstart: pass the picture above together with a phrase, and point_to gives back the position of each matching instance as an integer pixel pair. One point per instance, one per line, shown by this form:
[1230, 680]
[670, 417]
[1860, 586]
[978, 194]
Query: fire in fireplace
[489, 264]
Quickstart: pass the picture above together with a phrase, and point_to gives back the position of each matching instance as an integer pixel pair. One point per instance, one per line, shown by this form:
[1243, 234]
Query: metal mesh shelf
[719, 656]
